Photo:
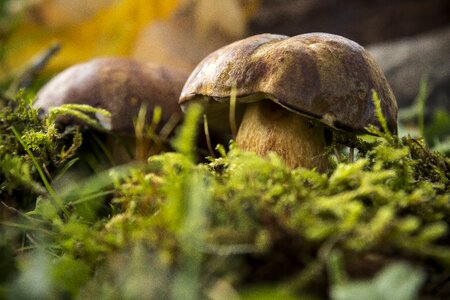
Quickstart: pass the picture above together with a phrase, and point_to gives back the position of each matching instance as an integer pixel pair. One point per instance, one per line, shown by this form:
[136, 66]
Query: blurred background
[410, 39]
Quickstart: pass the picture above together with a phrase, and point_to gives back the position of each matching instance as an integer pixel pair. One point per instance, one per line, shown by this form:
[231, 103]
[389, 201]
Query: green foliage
[398, 281]
[17, 175]
[174, 228]
[184, 143]
[195, 221]
[79, 112]
[269, 293]
[435, 131]
[380, 116]
[30, 146]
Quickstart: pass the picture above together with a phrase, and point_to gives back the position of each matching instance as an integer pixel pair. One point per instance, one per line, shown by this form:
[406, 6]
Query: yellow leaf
[111, 31]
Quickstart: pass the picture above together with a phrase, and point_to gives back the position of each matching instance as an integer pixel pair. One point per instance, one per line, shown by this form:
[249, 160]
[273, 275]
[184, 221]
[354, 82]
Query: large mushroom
[289, 91]
[121, 86]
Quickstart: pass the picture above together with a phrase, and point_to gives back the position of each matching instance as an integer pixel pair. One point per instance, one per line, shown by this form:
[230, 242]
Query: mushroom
[290, 91]
[121, 86]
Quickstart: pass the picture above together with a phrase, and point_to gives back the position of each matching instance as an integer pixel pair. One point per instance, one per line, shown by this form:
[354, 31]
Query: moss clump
[242, 220]
[273, 223]
[28, 144]
[238, 225]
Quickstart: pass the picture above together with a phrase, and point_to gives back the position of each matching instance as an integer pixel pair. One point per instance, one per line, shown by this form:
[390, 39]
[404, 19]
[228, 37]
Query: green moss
[234, 223]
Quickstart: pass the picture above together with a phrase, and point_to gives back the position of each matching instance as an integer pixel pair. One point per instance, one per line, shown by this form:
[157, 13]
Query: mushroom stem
[268, 127]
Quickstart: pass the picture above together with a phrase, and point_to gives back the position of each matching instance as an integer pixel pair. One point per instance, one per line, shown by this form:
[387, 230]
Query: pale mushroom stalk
[299, 141]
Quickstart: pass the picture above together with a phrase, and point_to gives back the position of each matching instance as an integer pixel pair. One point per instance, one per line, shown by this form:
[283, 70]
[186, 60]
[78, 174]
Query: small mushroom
[119, 85]
[290, 91]
[122, 86]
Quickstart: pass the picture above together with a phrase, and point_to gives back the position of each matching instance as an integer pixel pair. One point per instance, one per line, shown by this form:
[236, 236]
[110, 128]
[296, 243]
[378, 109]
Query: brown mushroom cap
[322, 76]
[119, 85]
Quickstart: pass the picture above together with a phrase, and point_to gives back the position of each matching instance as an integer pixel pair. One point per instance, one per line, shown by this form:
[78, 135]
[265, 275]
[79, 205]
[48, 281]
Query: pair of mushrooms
[289, 92]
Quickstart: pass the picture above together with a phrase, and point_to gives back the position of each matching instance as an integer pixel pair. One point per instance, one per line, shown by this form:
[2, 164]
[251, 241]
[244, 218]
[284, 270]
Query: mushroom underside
[298, 140]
